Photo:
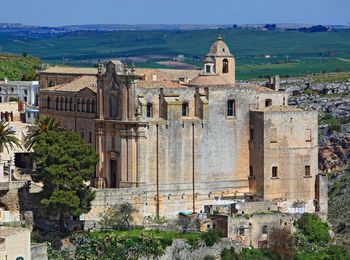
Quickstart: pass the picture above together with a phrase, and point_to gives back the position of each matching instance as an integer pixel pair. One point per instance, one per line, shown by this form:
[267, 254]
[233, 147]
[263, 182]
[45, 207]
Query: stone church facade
[168, 147]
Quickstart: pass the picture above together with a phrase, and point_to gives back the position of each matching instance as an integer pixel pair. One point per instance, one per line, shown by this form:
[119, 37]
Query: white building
[25, 91]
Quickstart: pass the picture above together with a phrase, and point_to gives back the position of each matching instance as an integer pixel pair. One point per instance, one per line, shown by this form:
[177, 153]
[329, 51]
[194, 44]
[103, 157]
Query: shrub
[338, 252]
[193, 242]
[258, 254]
[211, 237]
[308, 92]
[314, 229]
[229, 254]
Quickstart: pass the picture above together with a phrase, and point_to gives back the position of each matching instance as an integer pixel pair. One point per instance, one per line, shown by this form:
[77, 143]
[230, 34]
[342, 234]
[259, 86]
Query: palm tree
[7, 137]
[41, 127]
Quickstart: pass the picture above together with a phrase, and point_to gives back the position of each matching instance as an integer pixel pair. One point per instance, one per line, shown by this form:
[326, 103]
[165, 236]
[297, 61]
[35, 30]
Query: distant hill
[14, 67]
[290, 52]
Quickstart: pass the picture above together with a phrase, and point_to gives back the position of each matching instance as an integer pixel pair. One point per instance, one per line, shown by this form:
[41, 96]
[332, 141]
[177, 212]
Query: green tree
[110, 218]
[41, 128]
[126, 212]
[64, 164]
[8, 140]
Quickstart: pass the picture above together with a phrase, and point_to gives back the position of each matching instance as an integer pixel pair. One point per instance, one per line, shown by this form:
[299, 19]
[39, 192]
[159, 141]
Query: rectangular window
[149, 110]
[90, 137]
[307, 170]
[184, 109]
[82, 135]
[264, 230]
[251, 171]
[231, 108]
[274, 172]
[207, 68]
[25, 92]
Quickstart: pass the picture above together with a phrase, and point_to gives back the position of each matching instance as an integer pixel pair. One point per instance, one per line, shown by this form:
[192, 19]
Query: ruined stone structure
[167, 147]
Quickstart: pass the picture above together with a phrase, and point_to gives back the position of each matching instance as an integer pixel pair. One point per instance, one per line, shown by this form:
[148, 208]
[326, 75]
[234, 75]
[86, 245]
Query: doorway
[115, 180]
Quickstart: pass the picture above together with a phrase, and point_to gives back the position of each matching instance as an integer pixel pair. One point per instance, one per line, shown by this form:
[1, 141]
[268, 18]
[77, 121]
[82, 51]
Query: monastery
[172, 141]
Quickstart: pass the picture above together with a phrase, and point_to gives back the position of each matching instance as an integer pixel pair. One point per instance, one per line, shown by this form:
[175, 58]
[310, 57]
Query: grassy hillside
[14, 67]
[292, 53]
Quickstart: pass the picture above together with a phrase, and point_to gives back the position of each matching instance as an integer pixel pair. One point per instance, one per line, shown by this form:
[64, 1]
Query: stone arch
[78, 105]
[88, 106]
[224, 66]
[66, 104]
[71, 104]
[93, 106]
[83, 105]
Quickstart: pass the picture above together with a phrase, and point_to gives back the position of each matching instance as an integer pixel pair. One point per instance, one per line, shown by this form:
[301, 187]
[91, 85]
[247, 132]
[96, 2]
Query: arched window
[66, 104]
[57, 103]
[78, 105]
[71, 104]
[93, 106]
[225, 66]
[62, 103]
[48, 102]
[88, 106]
[83, 105]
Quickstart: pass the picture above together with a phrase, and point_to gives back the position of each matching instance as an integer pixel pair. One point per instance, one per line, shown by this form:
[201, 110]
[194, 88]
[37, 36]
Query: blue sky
[68, 12]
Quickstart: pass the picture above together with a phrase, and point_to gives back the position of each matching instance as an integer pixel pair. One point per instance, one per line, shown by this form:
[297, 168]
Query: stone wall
[254, 231]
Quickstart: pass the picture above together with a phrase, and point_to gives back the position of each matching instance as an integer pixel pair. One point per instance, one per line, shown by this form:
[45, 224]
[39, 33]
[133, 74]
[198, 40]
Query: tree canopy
[41, 127]
[65, 165]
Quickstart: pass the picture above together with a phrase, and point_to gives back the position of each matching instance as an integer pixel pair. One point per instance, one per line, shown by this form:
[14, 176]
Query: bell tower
[224, 61]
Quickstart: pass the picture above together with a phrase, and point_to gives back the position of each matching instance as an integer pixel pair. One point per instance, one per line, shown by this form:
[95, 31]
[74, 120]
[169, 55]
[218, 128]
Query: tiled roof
[168, 74]
[208, 81]
[159, 84]
[71, 70]
[76, 85]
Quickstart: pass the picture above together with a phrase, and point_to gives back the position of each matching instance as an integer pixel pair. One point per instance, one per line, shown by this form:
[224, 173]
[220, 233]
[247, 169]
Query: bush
[211, 237]
[308, 92]
[193, 242]
[258, 254]
[314, 229]
[338, 252]
[229, 254]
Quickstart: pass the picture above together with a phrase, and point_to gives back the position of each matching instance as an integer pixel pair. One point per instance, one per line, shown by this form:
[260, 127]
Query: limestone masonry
[170, 145]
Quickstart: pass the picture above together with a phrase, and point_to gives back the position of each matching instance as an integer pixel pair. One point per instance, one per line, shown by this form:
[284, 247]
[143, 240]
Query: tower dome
[219, 49]
[224, 62]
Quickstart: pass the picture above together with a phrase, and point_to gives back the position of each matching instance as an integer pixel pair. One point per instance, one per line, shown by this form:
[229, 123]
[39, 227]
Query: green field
[292, 53]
